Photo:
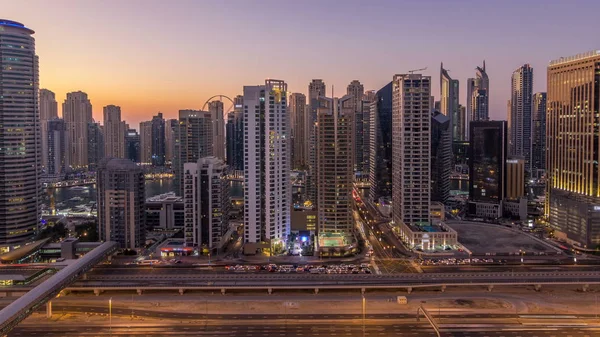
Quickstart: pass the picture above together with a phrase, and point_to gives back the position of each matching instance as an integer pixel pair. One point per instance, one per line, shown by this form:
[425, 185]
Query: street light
[110, 315]
[364, 310]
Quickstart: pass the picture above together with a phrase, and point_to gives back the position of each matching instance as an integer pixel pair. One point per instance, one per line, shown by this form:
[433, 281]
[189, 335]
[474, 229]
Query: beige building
[334, 165]
[218, 126]
[48, 111]
[299, 120]
[146, 142]
[77, 113]
[515, 178]
[114, 132]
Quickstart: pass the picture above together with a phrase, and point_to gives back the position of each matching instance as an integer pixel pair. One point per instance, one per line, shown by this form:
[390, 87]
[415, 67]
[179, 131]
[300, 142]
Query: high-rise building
[316, 89]
[380, 162]
[146, 142]
[519, 128]
[299, 119]
[57, 161]
[193, 141]
[487, 171]
[95, 145]
[356, 90]
[449, 94]
[206, 203]
[462, 115]
[334, 164]
[411, 125]
[170, 127]
[441, 157]
[218, 121]
[48, 111]
[515, 178]
[235, 135]
[132, 145]
[478, 97]
[572, 140]
[363, 136]
[267, 192]
[114, 132]
[538, 135]
[121, 203]
[77, 113]
[158, 140]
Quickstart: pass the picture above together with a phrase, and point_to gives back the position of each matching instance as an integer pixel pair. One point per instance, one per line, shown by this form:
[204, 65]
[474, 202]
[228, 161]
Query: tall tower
[193, 141]
[170, 126]
[57, 161]
[95, 145]
[235, 135]
[121, 200]
[299, 119]
[158, 140]
[356, 91]
[449, 89]
[267, 193]
[48, 111]
[218, 120]
[519, 129]
[132, 145]
[334, 164]
[77, 113]
[573, 175]
[441, 157]
[114, 132]
[411, 127]
[380, 163]
[146, 142]
[20, 141]
[538, 135]
[478, 89]
[316, 89]
[363, 138]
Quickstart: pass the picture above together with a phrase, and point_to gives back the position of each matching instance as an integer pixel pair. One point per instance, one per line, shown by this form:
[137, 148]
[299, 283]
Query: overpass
[269, 282]
[18, 310]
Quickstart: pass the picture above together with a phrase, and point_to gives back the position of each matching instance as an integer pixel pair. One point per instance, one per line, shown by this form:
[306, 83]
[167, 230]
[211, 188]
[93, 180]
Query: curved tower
[20, 140]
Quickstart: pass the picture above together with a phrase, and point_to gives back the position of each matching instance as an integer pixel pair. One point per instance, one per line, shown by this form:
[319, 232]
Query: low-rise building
[165, 211]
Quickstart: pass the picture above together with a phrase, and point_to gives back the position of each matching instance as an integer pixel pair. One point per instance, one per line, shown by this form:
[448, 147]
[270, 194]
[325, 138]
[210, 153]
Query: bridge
[42, 294]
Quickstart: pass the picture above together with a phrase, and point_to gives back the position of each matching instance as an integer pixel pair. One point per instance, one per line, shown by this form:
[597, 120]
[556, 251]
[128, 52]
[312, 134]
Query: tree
[87, 232]
[55, 232]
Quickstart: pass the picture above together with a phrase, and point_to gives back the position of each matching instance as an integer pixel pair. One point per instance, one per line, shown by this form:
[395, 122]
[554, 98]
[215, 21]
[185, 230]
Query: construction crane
[415, 70]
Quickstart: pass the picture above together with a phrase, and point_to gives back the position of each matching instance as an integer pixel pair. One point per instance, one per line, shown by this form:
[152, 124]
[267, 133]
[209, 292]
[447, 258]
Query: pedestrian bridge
[18, 310]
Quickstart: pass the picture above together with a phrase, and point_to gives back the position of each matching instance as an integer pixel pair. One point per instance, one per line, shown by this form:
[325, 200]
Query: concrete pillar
[537, 287]
[270, 290]
[490, 287]
[97, 292]
[49, 309]
[222, 291]
[181, 291]
[409, 289]
[139, 291]
[585, 287]
[316, 291]
[443, 288]
[362, 291]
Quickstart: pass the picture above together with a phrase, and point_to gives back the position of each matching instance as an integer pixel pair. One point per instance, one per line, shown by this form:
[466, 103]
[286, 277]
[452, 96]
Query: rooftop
[15, 24]
[577, 57]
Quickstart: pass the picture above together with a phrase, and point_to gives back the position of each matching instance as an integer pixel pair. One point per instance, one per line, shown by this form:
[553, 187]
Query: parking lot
[494, 239]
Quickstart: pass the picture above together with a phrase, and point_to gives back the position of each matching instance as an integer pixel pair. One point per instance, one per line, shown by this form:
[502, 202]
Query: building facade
[121, 203]
[218, 122]
[515, 178]
[380, 162]
[165, 211]
[572, 191]
[519, 128]
[132, 145]
[95, 145]
[114, 132]
[300, 130]
[158, 146]
[77, 113]
[267, 193]
[316, 89]
[48, 111]
[170, 127]
[449, 106]
[57, 164]
[441, 157]
[146, 142]
[478, 89]
[335, 119]
[235, 135]
[356, 90]
[538, 135]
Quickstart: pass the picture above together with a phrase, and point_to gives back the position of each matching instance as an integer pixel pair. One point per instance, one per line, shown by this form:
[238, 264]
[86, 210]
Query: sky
[151, 55]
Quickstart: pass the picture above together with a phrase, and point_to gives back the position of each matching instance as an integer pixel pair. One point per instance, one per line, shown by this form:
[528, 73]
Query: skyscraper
[95, 145]
[193, 141]
[441, 157]
[170, 127]
[519, 129]
[206, 203]
[538, 135]
[218, 121]
[356, 91]
[121, 203]
[316, 89]
[114, 132]
[235, 135]
[20, 141]
[449, 90]
[380, 163]
[334, 164]
[411, 125]
[146, 142]
[478, 97]
[77, 113]
[48, 111]
[363, 135]
[487, 162]
[158, 140]
[299, 119]
[57, 161]
[572, 183]
[132, 145]
[267, 193]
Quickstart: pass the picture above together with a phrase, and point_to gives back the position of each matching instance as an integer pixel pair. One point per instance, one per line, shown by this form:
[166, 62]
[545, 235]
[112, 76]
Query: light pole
[110, 315]
[209, 258]
[364, 310]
